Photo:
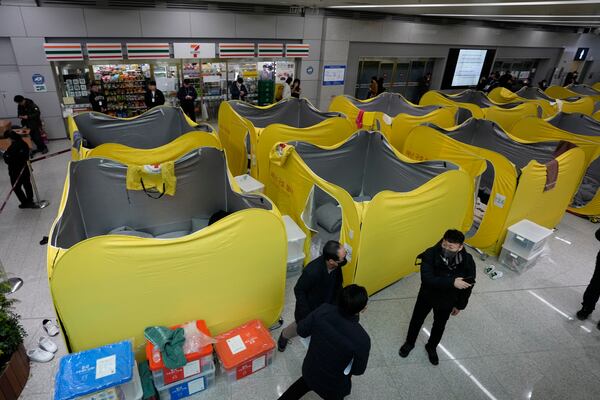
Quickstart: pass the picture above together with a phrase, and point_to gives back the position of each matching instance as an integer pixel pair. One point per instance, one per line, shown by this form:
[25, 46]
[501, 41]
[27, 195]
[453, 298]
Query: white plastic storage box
[259, 363]
[294, 267]
[188, 387]
[526, 238]
[515, 261]
[164, 377]
[295, 239]
[249, 185]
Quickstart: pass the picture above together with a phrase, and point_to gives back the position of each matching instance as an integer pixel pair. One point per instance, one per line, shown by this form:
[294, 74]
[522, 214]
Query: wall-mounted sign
[236, 50]
[63, 51]
[310, 70]
[270, 49]
[581, 53]
[333, 75]
[39, 83]
[105, 51]
[148, 50]
[194, 50]
[297, 50]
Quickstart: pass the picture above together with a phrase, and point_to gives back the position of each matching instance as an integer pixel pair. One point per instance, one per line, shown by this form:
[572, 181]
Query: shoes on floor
[45, 151]
[44, 240]
[48, 345]
[50, 327]
[282, 343]
[432, 354]
[40, 355]
[405, 350]
[583, 314]
[27, 205]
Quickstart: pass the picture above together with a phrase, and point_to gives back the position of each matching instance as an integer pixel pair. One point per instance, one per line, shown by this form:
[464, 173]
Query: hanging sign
[333, 75]
[148, 50]
[105, 51]
[39, 83]
[194, 50]
[63, 51]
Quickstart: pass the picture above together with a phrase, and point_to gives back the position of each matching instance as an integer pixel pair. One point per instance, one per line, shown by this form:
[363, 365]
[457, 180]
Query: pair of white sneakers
[492, 272]
[46, 347]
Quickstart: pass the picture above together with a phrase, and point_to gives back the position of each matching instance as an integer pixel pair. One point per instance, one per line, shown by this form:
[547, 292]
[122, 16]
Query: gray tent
[298, 113]
[478, 98]
[532, 93]
[99, 203]
[583, 90]
[155, 128]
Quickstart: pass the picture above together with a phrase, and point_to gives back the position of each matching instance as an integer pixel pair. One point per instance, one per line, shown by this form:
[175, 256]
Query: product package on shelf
[245, 350]
[198, 354]
[104, 373]
[124, 87]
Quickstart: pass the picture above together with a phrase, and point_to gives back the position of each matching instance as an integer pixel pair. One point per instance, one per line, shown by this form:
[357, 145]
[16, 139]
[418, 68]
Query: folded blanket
[170, 343]
[329, 216]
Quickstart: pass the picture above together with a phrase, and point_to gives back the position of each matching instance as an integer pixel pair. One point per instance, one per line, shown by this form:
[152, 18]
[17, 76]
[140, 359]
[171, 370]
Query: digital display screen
[468, 67]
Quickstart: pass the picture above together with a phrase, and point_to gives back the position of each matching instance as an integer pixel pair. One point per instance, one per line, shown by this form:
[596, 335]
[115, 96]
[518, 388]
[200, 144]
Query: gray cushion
[329, 216]
[173, 235]
[128, 231]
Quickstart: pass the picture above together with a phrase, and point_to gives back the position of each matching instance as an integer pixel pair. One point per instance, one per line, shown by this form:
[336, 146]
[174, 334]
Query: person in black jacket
[592, 292]
[154, 97]
[31, 117]
[238, 89]
[16, 156]
[97, 99]
[339, 347]
[447, 278]
[187, 95]
[320, 283]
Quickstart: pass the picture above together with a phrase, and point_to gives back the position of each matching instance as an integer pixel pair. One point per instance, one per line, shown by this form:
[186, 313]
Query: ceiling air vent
[83, 3]
[188, 4]
[131, 3]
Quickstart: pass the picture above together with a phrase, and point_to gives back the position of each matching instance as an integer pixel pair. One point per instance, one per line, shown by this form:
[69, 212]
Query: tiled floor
[516, 340]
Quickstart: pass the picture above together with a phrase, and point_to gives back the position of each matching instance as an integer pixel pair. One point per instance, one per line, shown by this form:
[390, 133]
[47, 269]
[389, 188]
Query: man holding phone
[447, 278]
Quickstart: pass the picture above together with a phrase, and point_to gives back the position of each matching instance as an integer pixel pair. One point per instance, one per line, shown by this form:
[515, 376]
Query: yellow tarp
[509, 200]
[385, 234]
[538, 130]
[502, 95]
[560, 92]
[507, 117]
[401, 123]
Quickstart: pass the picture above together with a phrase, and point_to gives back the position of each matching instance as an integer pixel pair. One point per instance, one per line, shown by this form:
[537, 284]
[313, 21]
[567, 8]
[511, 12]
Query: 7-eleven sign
[194, 50]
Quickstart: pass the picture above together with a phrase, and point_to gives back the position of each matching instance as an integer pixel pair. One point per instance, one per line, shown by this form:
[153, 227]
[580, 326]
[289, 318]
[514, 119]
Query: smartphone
[469, 279]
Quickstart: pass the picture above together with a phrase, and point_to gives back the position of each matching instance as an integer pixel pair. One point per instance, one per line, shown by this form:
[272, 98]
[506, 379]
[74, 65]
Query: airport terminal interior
[258, 199]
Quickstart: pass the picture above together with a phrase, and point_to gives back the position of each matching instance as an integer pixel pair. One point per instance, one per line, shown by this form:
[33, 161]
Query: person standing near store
[424, 85]
[187, 95]
[373, 87]
[154, 97]
[592, 292]
[320, 283]
[339, 347]
[238, 89]
[447, 279]
[97, 99]
[296, 90]
[16, 157]
[287, 89]
[31, 117]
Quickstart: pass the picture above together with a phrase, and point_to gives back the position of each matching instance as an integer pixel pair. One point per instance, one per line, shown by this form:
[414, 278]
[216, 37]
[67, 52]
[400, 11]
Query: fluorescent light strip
[546, 302]
[585, 328]
[510, 16]
[464, 369]
[548, 21]
[455, 5]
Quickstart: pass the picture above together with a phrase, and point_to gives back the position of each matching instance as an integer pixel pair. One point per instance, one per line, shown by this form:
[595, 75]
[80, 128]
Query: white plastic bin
[294, 267]
[258, 363]
[515, 261]
[526, 238]
[295, 239]
[189, 387]
[131, 390]
[192, 368]
[249, 185]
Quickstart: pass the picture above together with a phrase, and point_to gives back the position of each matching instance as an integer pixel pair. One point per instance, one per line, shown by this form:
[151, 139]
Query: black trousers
[23, 183]
[299, 389]
[190, 110]
[36, 138]
[592, 293]
[423, 307]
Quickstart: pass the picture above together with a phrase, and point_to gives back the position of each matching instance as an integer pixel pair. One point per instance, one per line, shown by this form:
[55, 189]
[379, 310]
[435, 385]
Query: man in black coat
[16, 157]
[238, 90]
[592, 292]
[154, 97]
[97, 99]
[187, 95]
[31, 117]
[320, 283]
[447, 278]
[339, 347]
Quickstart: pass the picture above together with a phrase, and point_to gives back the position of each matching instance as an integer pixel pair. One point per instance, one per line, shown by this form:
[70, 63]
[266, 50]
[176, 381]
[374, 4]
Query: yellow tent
[372, 199]
[134, 247]
[92, 132]
[584, 90]
[516, 184]
[241, 126]
[596, 86]
[501, 95]
[507, 117]
[560, 92]
[584, 132]
[389, 110]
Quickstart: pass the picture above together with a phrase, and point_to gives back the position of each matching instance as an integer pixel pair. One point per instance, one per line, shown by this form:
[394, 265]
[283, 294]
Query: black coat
[32, 111]
[159, 98]
[316, 286]
[98, 101]
[16, 156]
[236, 92]
[335, 340]
[437, 279]
[181, 95]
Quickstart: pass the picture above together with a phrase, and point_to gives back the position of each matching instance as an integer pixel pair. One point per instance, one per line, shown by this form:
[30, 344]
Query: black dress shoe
[405, 350]
[282, 343]
[432, 354]
[583, 314]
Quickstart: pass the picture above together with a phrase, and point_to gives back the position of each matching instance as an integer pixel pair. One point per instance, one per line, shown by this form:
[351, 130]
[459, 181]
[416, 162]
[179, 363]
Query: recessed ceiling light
[511, 16]
[496, 4]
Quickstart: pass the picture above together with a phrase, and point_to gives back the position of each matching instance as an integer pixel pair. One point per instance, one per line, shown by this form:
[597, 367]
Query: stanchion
[38, 203]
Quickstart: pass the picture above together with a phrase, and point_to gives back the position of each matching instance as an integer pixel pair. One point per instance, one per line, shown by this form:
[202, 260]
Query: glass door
[367, 69]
